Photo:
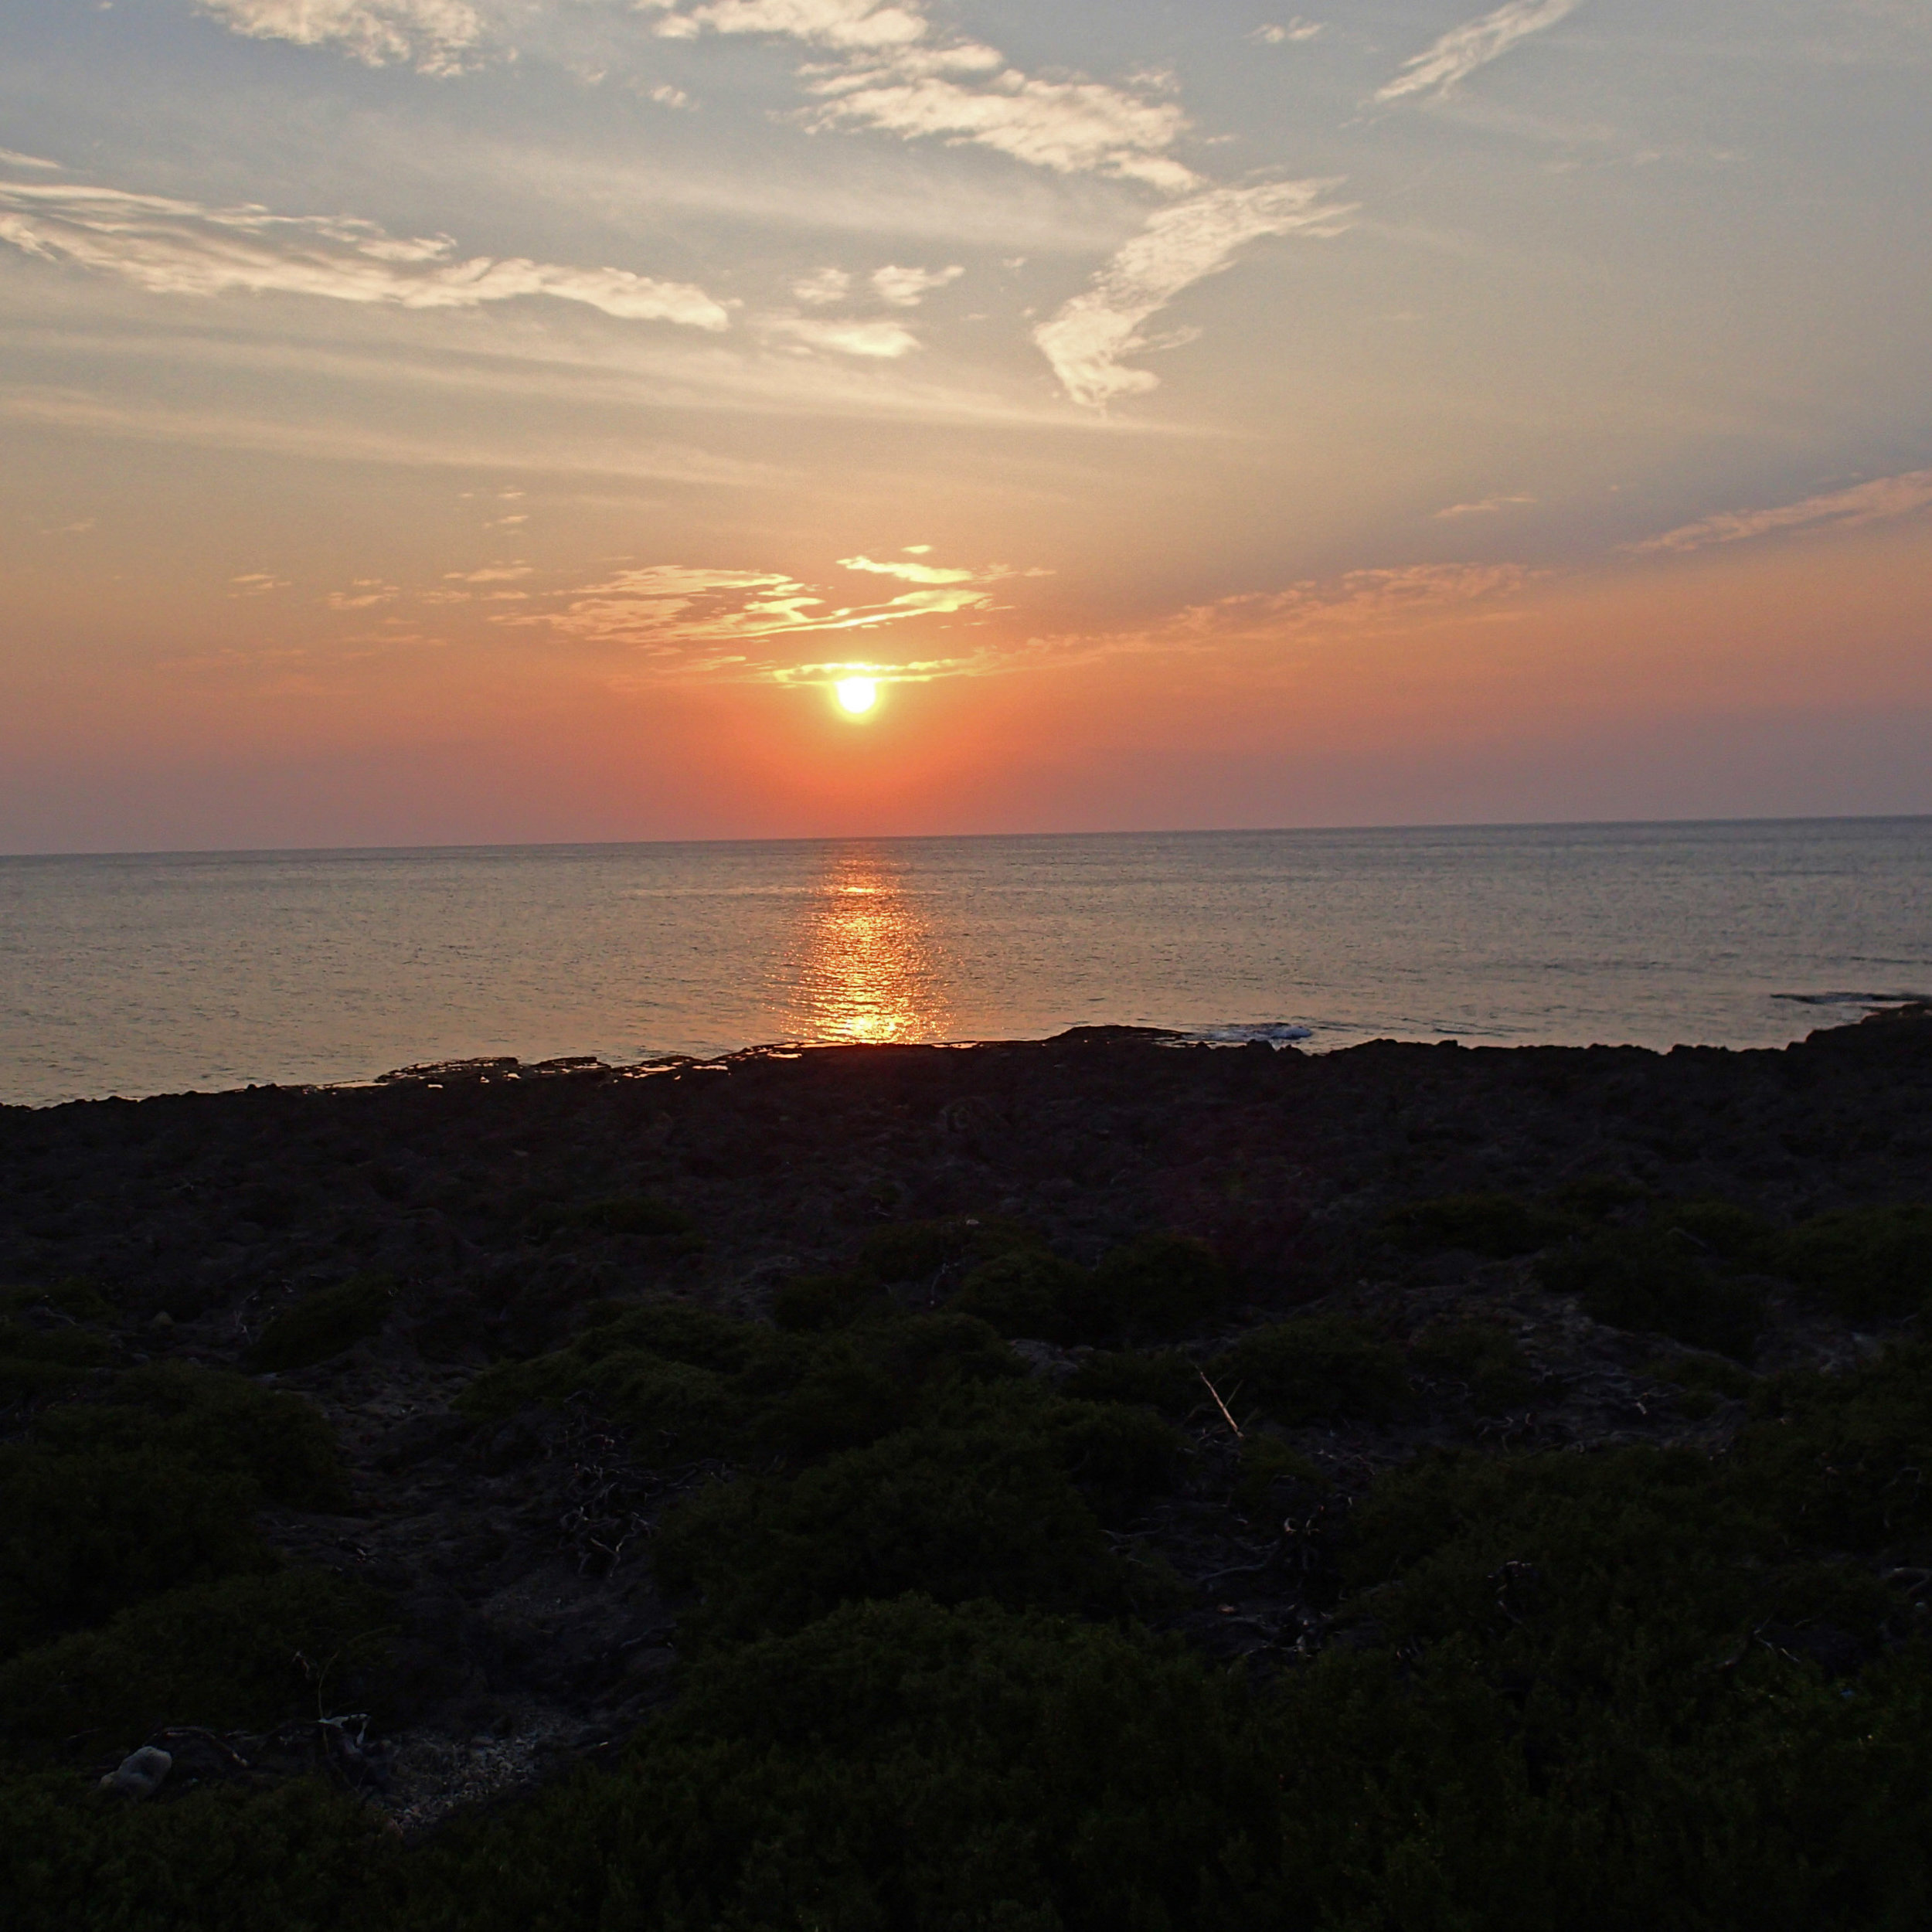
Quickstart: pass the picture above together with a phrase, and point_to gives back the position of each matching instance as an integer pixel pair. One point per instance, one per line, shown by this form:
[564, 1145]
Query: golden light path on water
[869, 971]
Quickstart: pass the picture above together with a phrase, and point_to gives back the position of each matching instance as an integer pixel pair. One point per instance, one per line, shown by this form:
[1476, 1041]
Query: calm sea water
[149, 974]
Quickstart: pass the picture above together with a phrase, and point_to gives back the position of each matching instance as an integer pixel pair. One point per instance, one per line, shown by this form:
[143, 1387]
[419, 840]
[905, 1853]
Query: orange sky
[461, 423]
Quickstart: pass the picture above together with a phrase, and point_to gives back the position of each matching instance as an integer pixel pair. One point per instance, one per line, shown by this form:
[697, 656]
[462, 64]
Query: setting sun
[857, 695]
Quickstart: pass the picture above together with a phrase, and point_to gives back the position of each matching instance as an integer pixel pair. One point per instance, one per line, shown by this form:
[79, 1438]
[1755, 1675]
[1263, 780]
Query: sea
[148, 973]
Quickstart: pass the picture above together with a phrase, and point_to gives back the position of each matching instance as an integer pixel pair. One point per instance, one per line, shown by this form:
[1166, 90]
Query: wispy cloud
[822, 286]
[1488, 506]
[1297, 30]
[705, 620]
[183, 248]
[878, 341]
[1876, 502]
[1463, 50]
[9, 159]
[1357, 600]
[436, 36]
[908, 288]
[1180, 245]
[894, 75]
[969, 95]
[912, 573]
[844, 24]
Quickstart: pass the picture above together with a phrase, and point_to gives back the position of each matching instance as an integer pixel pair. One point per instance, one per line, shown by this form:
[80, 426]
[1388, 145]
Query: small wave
[1279, 1033]
[1854, 999]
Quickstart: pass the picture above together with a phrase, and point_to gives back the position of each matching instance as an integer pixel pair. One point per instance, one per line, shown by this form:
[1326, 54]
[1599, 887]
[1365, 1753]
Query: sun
[857, 695]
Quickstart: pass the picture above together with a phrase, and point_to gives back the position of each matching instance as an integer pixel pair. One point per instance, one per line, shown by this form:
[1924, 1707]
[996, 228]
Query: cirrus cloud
[1439, 67]
[1182, 245]
[1878, 501]
[172, 247]
[436, 36]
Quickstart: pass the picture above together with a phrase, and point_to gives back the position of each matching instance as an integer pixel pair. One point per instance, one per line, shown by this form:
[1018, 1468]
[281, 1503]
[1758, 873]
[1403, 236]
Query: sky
[488, 421]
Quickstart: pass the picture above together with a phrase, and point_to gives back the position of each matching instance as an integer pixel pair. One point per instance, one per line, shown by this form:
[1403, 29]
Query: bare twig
[1219, 1404]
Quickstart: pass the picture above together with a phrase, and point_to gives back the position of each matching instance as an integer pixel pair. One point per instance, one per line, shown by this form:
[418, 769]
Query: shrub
[915, 1250]
[301, 1858]
[42, 1361]
[953, 1513]
[1316, 1369]
[221, 1656]
[1028, 1292]
[1166, 1380]
[86, 1534]
[1868, 1264]
[1659, 1282]
[1159, 1285]
[275, 1439]
[1481, 1355]
[811, 1304]
[898, 1764]
[1265, 1461]
[1497, 1225]
[324, 1324]
[632, 1213]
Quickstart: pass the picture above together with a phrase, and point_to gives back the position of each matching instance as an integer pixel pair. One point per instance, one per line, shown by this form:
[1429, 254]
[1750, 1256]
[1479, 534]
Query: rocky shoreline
[499, 1207]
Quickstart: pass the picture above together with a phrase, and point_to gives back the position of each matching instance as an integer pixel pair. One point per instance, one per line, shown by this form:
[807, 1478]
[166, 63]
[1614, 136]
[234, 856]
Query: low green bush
[1497, 1225]
[953, 1513]
[1315, 1369]
[36, 1362]
[1028, 1292]
[278, 1440]
[85, 1534]
[811, 1303]
[150, 1487]
[914, 1250]
[324, 1324]
[245, 1652]
[897, 1764]
[1156, 1286]
[1165, 1379]
[1483, 1358]
[299, 1859]
[1868, 1263]
[628, 1213]
[1662, 1281]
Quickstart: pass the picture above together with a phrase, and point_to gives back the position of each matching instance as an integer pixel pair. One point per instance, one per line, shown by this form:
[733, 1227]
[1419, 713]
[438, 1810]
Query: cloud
[1487, 507]
[436, 36]
[1876, 502]
[1067, 126]
[884, 340]
[255, 583]
[1179, 246]
[9, 158]
[844, 24]
[1356, 600]
[703, 620]
[821, 286]
[1297, 29]
[908, 288]
[1463, 50]
[183, 248]
[915, 572]
[363, 592]
[893, 78]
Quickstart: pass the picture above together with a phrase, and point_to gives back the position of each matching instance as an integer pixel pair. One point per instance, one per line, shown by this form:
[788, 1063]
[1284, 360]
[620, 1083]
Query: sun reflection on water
[868, 970]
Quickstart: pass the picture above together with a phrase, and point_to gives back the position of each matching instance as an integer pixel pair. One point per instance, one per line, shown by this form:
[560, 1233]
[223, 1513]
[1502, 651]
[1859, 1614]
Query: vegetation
[324, 1324]
[922, 1685]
